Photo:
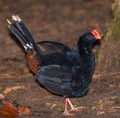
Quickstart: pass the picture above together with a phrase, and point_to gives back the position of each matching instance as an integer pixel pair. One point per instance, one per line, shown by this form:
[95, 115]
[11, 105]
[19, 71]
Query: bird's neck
[87, 58]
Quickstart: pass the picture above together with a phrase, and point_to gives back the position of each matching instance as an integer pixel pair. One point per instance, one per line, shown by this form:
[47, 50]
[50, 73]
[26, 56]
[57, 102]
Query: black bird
[59, 69]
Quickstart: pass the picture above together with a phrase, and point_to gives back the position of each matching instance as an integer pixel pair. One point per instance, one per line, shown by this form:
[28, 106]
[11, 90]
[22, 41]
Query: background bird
[58, 68]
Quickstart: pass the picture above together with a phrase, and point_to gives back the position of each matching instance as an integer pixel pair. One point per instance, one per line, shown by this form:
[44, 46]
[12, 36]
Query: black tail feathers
[18, 28]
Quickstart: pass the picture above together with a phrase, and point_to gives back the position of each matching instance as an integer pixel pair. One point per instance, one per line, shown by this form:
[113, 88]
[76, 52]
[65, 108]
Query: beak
[96, 34]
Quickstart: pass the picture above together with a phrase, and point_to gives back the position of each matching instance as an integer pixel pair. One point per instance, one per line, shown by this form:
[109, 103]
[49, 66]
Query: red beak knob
[96, 34]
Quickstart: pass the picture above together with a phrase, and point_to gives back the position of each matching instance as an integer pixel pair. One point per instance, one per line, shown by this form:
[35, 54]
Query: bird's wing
[48, 47]
[56, 79]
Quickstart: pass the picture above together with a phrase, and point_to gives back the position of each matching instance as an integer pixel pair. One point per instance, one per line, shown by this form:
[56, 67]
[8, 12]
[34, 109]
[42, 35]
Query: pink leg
[73, 108]
[66, 113]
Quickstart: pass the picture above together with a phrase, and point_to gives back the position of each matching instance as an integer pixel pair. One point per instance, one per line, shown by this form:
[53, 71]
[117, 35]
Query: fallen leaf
[99, 106]
[100, 112]
[1, 96]
[9, 89]
[95, 76]
[23, 110]
[102, 106]
[8, 111]
[53, 105]
[116, 107]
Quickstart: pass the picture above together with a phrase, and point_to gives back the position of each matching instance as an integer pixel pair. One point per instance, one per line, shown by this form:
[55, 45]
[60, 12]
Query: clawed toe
[78, 108]
[68, 114]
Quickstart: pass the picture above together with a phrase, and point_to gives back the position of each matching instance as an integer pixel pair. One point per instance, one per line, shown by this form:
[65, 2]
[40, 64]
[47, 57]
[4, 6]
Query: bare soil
[60, 21]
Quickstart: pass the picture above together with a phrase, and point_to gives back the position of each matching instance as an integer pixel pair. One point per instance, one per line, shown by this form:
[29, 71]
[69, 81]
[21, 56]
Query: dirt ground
[60, 21]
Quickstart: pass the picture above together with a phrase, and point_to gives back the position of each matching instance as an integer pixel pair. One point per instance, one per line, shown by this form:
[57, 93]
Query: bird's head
[89, 37]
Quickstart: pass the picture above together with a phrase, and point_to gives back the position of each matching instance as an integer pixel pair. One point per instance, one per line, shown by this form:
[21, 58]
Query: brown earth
[60, 21]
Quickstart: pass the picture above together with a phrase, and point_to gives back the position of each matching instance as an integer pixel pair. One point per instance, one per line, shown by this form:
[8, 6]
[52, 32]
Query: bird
[60, 69]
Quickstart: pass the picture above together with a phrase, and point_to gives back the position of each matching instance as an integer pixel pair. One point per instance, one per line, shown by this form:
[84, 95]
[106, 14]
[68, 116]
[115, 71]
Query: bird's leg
[66, 113]
[71, 105]
[74, 108]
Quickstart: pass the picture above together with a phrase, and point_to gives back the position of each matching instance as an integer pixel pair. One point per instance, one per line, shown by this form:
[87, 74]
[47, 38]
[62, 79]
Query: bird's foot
[77, 108]
[68, 114]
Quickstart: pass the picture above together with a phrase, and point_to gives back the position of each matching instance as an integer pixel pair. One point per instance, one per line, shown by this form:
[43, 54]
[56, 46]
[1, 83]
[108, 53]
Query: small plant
[117, 100]
[96, 54]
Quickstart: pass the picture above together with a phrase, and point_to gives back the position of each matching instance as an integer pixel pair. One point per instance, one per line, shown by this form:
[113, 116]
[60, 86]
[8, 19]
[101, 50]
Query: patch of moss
[116, 29]
[17, 92]
[96, 55]
[117, 61]
[88, 14]
[115, 7]
[117, 100]
[102, 35]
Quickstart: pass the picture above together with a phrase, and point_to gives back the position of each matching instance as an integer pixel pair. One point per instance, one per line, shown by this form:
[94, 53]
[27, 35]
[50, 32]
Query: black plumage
[61, 70]
[72, 69]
